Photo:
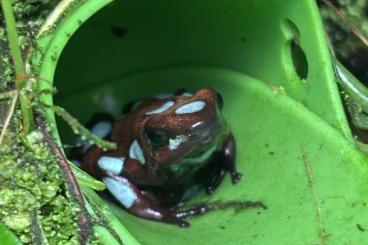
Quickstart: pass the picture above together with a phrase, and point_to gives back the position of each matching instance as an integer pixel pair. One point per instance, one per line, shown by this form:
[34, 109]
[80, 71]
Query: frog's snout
[211, 96]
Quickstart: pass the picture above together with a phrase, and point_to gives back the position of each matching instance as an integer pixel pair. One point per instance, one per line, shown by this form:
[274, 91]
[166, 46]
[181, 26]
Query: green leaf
[86, 180]
[7, 237]
[113, 232]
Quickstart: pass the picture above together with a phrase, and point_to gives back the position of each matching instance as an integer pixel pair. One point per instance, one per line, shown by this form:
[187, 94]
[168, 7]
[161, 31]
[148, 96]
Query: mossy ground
[32, 190]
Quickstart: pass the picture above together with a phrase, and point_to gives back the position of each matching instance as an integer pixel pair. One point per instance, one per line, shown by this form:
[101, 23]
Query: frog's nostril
[220, 100]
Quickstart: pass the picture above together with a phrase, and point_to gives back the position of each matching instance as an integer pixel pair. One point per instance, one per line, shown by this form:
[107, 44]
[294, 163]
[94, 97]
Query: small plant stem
[20, 74]
[80, 129]
[8, 117]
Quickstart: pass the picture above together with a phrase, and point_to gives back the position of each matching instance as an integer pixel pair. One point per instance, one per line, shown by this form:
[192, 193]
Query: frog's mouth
[205, 139]
[195, 160]
[201, 156]
[200, 146]
[205, 133]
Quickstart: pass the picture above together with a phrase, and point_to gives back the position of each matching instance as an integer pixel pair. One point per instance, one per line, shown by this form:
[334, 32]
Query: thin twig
[13, 38]
[8, 117]
[36, 229]
[344, 18]
[312, 184]
[80, 129]
[20, 73]
[84, 221]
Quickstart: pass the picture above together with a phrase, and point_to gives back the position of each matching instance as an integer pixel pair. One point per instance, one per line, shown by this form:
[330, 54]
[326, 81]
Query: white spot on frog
[192, 107]
[162, 108]
[121, 191]
[135, 152]
[113, 165]
[174, 143]
[101, 129]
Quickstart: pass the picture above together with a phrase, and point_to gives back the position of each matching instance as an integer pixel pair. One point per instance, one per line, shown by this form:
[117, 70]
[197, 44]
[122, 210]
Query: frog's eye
[220, 100]
[157, 138]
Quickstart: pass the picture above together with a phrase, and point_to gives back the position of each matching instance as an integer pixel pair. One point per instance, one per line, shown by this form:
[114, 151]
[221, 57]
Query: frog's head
[183, 127]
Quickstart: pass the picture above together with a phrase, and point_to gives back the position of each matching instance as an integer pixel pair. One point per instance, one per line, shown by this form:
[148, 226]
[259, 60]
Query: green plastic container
[269, 59]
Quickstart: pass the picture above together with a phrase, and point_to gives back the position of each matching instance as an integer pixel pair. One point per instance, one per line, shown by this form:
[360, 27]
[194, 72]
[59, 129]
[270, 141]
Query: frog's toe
[235, 177]
[183, 224]
[215, 180]
[173, 218]
[199, 209]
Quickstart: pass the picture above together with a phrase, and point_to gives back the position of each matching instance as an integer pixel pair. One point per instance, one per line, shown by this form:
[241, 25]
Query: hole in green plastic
[294, 54]
[292, 28]
[299, 60]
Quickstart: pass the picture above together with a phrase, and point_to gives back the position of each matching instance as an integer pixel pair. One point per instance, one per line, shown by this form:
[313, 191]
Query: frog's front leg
[117, 173]
[137, 202]
[222, 161]
[228, 158]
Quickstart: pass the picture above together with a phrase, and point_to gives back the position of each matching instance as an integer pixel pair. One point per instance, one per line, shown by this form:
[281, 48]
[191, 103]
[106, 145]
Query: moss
[57, 224]
[349, 49]
[31, 180]
[19, 221]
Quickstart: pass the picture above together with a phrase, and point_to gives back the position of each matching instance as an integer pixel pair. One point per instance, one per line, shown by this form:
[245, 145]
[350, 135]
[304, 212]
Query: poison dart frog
[168, 148]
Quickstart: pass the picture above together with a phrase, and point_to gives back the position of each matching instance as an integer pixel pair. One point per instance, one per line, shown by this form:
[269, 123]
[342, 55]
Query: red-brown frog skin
[166, 147]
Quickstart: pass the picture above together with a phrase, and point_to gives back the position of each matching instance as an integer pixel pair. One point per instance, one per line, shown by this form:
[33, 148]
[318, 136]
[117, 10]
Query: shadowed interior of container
[127, 38]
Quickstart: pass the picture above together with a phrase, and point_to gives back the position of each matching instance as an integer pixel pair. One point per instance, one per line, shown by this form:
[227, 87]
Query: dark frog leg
[133, 199]
[217, 173]
[222, 161]
[120, 175]
[228, 158]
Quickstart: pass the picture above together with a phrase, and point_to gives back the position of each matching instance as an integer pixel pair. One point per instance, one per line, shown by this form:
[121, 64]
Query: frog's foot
[224, 161]
[235, 177]
[215, 180]
[139, 204]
